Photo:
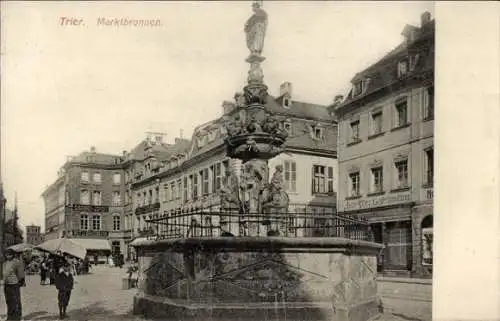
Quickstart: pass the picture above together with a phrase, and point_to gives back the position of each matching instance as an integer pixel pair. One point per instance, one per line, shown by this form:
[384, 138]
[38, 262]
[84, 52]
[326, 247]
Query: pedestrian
[13, 280]
[44, 269]
[64, 285]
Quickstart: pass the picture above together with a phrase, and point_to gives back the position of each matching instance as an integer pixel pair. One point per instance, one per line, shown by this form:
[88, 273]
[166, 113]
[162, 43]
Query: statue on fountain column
[229, 192]
[274, 194]
[255, 29]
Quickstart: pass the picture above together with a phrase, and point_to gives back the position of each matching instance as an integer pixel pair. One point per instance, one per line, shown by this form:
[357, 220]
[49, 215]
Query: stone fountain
[257, 272]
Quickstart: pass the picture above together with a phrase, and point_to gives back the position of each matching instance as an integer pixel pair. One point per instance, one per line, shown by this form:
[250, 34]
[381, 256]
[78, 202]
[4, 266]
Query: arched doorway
[427, 240]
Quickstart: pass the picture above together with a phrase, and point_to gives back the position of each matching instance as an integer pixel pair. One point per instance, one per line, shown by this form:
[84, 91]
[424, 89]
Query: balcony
[89, 208]
[147, 208]
[89, 233]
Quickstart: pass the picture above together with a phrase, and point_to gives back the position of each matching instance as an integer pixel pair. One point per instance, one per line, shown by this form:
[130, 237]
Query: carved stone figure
[229, 192]
[255, 94]
[274, 195]
[254, 126]
[239, 100]
[255, 29]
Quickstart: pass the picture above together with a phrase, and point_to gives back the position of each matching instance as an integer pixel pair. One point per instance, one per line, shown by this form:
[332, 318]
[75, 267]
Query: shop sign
[376, 202]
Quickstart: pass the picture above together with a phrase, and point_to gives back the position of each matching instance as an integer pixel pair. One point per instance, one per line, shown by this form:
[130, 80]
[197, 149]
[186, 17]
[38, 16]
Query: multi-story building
[192, 173]
[87, 202]
[34, 234]
[386, 154]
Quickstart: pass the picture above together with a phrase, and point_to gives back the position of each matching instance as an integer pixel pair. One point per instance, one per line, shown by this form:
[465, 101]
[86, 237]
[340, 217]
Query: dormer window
[357, 88]
[402, 68]
[287, 102]
[318, 132]
[414, 61]
[287, 126]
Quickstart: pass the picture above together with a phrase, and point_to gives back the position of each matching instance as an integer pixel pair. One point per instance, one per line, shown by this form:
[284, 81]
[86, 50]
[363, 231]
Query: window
[117, 178]
[186, 193]
[204, 181]
[414, 61]
[402, 174]
[97, 178]
[354, 128]
[290, 176]
[195, 186]
[376, 123]
[179, 189]
[116, 223]
[401, 113]
[84, 197]
[318, 132]
[402, 68]
[287, 102]
[354, 179]
[116, 198]
[330, 180]
[96, 222]
[96, 198]
[173, 191]
[377, 183]
[429, 103]
[357, 88]
[322, 179]
[150, 196]
[217, 177]
[84, 177]
[429, 166]
[84, 222]
[287, 126]
[156, 195]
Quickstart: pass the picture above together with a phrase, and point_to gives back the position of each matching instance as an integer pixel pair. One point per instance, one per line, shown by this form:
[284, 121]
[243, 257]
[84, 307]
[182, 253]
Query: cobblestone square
[96, 296]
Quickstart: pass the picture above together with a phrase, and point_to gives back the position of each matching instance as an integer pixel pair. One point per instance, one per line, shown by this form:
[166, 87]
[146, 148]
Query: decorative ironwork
[89, 233]
[286, 224]
[147, 208]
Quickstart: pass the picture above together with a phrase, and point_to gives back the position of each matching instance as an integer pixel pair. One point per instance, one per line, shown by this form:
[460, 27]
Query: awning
[94, 244]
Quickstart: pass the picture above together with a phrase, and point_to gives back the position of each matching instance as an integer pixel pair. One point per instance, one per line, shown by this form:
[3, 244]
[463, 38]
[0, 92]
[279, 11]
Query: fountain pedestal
[269, 278]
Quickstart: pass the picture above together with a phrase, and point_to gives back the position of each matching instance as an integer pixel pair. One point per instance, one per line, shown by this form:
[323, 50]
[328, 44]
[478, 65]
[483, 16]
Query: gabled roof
[97, 158]
[383, 73]
[300, 137]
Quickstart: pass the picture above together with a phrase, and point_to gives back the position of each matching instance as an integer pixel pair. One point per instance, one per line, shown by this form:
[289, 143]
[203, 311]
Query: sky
[66, 88]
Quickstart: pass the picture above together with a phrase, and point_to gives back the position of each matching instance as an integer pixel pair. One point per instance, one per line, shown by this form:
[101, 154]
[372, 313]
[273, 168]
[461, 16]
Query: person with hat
[13, 278]
[64, 284]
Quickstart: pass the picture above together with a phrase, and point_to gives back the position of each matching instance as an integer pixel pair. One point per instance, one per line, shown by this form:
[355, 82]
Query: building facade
[34, 235]
[386, 153]
[191, 175]
[87, 201]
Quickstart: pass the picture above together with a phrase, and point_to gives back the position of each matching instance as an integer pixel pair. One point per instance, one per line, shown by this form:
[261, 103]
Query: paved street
[97, 296]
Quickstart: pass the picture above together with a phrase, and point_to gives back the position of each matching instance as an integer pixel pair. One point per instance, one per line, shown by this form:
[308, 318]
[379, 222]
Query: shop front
[390, 218]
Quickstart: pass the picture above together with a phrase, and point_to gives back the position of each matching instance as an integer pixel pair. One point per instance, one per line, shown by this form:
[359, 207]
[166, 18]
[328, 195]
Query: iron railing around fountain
[296, 224]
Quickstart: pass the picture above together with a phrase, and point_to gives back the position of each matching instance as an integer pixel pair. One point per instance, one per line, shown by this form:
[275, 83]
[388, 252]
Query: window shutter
[312, 179]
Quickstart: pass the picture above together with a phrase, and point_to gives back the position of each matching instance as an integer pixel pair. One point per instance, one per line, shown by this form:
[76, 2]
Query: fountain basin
[270, 278]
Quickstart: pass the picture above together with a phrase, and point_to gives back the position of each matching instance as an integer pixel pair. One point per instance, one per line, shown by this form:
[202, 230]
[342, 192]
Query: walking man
[13, 280]
[64, 285]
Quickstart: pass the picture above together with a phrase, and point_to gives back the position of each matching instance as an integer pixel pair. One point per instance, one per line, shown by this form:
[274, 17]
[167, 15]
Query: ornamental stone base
[245, 278]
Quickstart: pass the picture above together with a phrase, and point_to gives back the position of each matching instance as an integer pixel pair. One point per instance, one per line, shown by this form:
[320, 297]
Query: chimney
[159, 139]
[338, 100]
[286, 88]
[227, 107]
[425, 18]
[92, 149]
[124, 153]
